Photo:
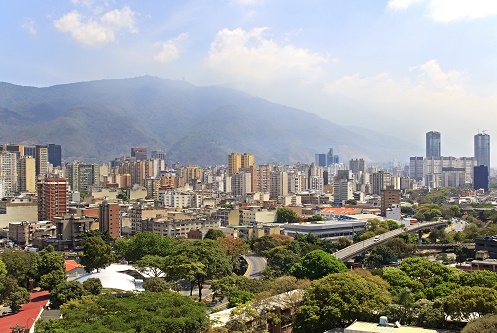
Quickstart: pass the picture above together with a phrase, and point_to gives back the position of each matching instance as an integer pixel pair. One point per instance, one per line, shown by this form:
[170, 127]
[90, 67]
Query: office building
[55, 155]
[139, 153]
[389, 197]
[416, 168]
[82, 176]
[357, 165]
[26, 174]
[482, 149]
[480, 178]
[433, 144]
[320, 160]
[13, 148]
[110, 219]
[30, 151]
[331, 158]
[52, 198]
[41, 160]
[379, 181]
[8, 172]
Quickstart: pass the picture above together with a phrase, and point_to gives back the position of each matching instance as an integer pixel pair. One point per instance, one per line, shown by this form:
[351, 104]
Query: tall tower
[52, 198]
[55, 155]
[482, 149]
[234, 163]
[139, 153]
[248, 160]
[110, 219]
[433, 144]
[8, 172]
[26, 174]
[41, 160]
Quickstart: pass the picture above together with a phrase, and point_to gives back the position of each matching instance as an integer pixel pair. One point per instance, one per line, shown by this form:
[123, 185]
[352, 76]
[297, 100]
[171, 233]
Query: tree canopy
[337, 300]
[96, 254]
[286, 215]
[317, 264]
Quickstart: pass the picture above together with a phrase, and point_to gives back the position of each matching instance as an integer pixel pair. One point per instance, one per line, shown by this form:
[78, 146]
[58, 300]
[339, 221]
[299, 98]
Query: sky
[403, 67]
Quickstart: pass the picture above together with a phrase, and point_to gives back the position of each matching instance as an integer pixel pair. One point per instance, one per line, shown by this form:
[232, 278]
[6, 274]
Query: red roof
[28, 314]
[70, 265]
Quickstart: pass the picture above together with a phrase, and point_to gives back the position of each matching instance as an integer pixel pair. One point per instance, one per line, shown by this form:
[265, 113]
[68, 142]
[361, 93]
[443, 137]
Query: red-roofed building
[330, 212]
[29, 313]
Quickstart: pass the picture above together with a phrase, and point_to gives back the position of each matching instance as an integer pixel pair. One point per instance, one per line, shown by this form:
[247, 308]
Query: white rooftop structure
[114, 276]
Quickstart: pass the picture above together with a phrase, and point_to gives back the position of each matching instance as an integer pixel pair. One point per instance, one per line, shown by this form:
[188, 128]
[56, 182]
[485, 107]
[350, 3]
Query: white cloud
[249, 55]
[450, 10]
[29, 26]
[95, 30]
[170, 50]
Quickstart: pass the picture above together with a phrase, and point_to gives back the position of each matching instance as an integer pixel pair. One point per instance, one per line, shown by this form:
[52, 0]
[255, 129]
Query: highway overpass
[360, 247]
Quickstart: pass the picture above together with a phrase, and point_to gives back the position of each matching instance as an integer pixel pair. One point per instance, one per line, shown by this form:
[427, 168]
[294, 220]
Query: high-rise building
[379, 181]
[234, 163]
[41, 160]
[26, 174]
[416, 168]
[139, 153]
[247, 160]
[52, 198]
[30, 151]
[357, 166]
[55, 155]
[279, 184]
[480, 178]
[82, 176]
[389, 196]
[482, 149]
[8, 172]
[110, 219]
[433, 144]
[13, 148]
[331, 158]
[320, 160]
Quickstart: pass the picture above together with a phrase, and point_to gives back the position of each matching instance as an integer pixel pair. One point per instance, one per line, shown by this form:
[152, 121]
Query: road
[256, 265]
[368, 244]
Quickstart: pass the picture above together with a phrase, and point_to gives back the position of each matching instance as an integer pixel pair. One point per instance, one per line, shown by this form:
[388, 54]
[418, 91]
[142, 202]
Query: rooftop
[28, 314]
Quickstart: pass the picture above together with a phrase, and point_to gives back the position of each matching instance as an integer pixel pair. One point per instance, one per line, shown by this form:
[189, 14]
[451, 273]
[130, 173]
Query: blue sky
[401, 66]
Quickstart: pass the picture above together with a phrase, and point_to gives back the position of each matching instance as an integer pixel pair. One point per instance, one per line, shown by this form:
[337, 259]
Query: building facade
[433, 144]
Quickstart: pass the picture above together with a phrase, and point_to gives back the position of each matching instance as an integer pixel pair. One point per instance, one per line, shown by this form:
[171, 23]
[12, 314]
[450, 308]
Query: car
[376, 238]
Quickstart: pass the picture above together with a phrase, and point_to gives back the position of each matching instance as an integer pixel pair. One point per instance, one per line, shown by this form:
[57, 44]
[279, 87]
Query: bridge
[445, 246]
[368, 244]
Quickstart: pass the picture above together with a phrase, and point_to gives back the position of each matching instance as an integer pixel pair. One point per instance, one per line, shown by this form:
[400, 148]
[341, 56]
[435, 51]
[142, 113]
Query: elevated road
[360, 247]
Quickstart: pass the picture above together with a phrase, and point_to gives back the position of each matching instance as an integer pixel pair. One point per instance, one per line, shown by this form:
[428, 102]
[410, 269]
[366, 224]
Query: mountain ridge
[96, 121]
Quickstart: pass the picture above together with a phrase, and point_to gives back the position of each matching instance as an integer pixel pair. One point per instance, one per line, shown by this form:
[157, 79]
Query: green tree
[351, 202]
[214, 234]
[314, 218]
[428, 212]
[210, 254]
[122, 196]
[427, 272]
[156, 285]
[280, 260]
[342, 243]
[366, 235]
[465, 302]
[153, 265]
[234, 248]
[93, 286]
[286, 215]
[140, 312]
[317, 264]
[17, 299]
[400, 248]
[21, 265]
[408, 210]
[66, 291]
[398, 280]
[96, 254]
[486, 279]
[337, 300]
[51, 268]
[3, 268]
[144, 243]
[485, 324]
[239, 297]
[457, 210]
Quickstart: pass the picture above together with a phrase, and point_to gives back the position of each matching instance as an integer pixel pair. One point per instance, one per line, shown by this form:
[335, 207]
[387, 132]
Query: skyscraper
[41, 160]
[55, 155]
[433, 144]
[52, 198]
[110, 219]
[482, 149]
[139, 153]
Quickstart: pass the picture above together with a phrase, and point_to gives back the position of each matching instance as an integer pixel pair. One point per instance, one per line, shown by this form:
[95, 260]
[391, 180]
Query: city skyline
[395, 66]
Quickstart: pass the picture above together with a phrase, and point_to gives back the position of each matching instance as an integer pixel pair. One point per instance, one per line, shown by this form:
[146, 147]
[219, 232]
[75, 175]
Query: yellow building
[237, 161]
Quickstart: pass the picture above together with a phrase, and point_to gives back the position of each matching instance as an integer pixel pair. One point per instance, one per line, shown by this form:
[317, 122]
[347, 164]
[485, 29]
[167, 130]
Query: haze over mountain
[97, 121]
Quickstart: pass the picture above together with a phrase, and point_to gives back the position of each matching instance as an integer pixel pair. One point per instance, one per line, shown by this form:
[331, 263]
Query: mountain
[97, 121]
